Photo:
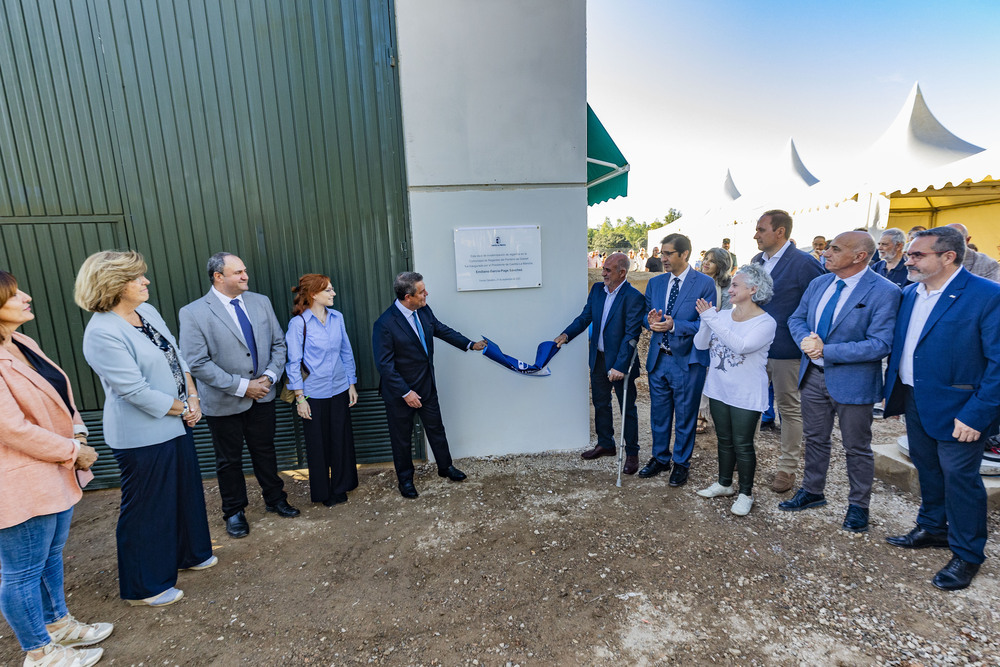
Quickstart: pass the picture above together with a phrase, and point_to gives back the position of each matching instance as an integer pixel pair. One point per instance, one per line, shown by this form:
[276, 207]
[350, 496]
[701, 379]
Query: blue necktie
[826, 318]
[247, 332]
[420, 332]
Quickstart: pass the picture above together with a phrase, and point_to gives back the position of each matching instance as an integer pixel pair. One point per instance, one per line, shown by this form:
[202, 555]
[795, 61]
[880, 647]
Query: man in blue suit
[844, 326]
[944, 374]
[403, 344]
[675, 367]
[615, 308]
[791, 270]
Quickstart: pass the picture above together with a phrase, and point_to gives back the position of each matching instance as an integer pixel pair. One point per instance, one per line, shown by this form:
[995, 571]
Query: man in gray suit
[235, 347]
[844, 326]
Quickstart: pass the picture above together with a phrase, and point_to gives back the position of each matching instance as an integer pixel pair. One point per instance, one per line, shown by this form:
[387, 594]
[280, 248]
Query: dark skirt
[330, 448]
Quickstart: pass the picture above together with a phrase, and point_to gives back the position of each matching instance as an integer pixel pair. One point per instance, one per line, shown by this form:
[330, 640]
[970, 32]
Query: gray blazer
[139, 386]
[215, 349]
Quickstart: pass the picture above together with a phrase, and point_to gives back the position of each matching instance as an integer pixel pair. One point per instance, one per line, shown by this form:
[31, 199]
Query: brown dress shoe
[782, 482]
[598, 452]
[631, 464]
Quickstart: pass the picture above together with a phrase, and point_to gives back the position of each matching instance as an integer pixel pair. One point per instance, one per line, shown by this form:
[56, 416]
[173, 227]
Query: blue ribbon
[543, 355]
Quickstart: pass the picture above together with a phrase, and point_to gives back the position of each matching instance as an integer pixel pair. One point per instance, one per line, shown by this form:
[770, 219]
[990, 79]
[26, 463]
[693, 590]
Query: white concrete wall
[494, 117]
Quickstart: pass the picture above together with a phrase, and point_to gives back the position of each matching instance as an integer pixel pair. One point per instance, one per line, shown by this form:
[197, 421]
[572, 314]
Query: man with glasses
[676, 368]
[944, 375]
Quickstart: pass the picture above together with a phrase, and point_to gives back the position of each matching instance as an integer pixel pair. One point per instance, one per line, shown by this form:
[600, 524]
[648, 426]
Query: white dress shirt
[922, 307]
[849, 285]
[608, 301]
[772, 261]
[231, 309]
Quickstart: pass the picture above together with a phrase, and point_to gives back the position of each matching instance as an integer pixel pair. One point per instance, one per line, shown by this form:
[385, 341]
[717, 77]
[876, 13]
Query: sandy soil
[542, 560]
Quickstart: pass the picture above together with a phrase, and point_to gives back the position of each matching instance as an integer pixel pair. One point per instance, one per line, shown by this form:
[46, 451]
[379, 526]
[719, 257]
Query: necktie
[247, 332]
[826, 318]
[420, 331]
[674, 289]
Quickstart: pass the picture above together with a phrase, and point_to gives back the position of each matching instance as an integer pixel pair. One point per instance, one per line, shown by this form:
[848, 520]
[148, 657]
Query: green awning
[607, 168]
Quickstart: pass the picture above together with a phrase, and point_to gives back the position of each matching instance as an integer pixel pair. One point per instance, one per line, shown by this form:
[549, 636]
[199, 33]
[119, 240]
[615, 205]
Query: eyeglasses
[917, 256]
[668, 253]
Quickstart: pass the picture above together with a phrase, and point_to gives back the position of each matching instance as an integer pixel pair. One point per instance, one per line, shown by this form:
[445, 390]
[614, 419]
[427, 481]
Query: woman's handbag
[287, 395]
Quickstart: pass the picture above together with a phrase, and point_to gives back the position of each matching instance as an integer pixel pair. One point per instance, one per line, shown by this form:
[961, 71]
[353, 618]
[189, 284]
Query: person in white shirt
[736, 384]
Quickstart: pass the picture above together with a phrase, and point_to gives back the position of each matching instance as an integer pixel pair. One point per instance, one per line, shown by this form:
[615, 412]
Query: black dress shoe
[918, 538]
[956, 575]
[282, 508]
[768, 426]
[452, 473]
[856, 519]
[802, 500]
[679, 476]
[654, 468]
[597, 452]
[237, 526]
[407, 490]
[335, 499]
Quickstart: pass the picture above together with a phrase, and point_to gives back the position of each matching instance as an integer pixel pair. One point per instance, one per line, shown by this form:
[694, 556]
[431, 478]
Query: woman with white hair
[736, 383]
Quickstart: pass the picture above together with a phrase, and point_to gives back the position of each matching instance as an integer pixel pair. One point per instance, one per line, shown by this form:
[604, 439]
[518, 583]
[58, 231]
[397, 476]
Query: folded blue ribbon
[543, 355]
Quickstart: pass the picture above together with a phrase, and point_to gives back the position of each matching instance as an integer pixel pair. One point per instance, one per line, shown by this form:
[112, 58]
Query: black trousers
[330, 448]
[400, 417]
[604, 416]
[255, 426]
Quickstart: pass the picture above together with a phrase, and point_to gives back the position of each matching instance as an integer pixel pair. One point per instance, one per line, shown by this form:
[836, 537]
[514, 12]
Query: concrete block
[893, 467]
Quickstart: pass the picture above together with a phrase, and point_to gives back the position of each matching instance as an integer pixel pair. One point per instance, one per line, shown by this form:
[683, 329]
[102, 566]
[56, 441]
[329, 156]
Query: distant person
[891, 265]
[640, 260]
[844, 326]
[715, 265]
[732, 256]
[818, 246]
[614, 309]
[43, 445]
[910, 235]
[236, 350]
[593, 261]
[944, 375]
[317, 341]
[791, 270]
[403, 344]
[631, 260]
[977, 263]
[736, 384]
[654, 264]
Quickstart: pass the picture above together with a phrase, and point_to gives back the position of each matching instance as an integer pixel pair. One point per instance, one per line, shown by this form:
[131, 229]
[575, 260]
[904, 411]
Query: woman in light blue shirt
[317, 342]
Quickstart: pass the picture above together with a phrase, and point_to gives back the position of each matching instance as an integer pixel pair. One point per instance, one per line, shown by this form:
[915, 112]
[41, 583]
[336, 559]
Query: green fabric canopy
[607, 168]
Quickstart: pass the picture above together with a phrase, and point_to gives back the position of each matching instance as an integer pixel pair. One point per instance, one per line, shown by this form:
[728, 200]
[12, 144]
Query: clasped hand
[659, 322]
[812, 346]
[258, 388]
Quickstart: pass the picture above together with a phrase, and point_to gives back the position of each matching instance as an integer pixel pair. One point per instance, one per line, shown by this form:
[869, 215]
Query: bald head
[618, 261]
[849, 253]
[614, 270]
[962, 229]
[859, 242]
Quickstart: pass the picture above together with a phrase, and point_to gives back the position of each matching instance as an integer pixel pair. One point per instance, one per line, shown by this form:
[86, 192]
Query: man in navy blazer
[944, 374]
[844, 326]
[676, 368]
[403, 344]
[791, 270]
[615, 308]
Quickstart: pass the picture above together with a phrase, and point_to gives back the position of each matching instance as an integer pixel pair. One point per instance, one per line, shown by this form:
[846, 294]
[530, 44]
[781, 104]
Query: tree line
[625, 234]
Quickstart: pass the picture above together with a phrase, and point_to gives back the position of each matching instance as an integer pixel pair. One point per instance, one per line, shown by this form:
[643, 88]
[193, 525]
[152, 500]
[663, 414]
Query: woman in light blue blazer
[150, 406]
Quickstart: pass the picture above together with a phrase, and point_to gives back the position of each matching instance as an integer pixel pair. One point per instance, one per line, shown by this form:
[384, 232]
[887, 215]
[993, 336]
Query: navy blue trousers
[162, 525]
[674, 396]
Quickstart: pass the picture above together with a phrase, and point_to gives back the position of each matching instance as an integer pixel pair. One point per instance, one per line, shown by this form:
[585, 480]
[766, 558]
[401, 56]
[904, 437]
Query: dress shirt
[231, 309]
[327, 355]
[922, 307]
[849, 285]
[608, 301]
[670, 285]
[771, 262]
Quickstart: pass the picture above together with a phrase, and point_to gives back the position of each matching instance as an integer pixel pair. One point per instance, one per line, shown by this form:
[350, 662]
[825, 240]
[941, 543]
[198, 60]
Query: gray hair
[756, 276]
[217, 264]
[945, 239]
[721, 258]
[406, 283]
[895, 234]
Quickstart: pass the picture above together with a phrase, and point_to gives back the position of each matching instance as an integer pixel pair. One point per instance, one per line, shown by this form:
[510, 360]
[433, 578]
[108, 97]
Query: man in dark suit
[403, 344]
[676, 368]
[235, 347]
[615, 308]
[844, 326]
[791, 270]
[944, 374]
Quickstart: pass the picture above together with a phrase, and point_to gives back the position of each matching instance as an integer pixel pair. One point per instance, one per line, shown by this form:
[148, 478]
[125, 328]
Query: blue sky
[689, 89]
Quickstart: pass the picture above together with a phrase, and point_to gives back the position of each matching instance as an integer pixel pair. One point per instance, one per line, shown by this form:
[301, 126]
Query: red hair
[309, 285]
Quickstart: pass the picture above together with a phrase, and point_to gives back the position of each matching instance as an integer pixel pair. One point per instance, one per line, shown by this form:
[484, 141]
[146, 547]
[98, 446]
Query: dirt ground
[542, 560]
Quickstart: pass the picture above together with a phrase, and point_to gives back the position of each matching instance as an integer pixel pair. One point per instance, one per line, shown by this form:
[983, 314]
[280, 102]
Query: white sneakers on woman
[54, 655]
[716, 490]
[742, 505]
[68, 631]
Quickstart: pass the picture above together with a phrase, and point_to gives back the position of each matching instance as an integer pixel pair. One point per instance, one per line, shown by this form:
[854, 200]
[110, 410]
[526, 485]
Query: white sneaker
[71, 632]
[169, 596]
[54, 655]
[204, 565]
[742, 505]
[716, 490]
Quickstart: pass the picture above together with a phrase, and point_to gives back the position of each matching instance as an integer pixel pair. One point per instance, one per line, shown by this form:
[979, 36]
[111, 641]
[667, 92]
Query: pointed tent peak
[917, 138]
[799, 168]
[729, 187]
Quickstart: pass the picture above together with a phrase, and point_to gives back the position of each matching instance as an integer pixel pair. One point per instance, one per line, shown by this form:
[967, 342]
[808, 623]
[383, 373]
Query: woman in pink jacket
[42, 446]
